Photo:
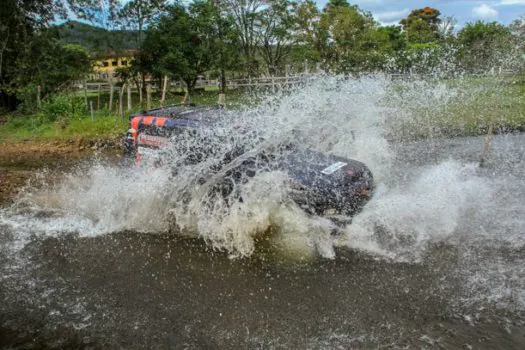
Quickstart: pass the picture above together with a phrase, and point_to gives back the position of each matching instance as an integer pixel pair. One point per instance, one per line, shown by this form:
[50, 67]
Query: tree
[137, 14]
[397, 40]
[353, 41]
[517, 29]
[333, 4]
[276, 23]
[421, 25]
[57, 66]
[446, 27]
[22, 25]
[310, 40]
[182, 44]
[226, 40]
[246, 19]
[484, 46]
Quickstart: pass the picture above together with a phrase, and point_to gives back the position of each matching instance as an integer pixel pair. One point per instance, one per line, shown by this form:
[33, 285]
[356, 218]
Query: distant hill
[96, 39]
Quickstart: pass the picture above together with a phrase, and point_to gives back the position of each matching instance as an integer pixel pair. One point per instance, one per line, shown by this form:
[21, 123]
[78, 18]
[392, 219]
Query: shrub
[62, 107]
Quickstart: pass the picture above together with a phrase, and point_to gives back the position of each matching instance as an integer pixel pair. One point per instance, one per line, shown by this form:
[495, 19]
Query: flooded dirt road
[125, 289]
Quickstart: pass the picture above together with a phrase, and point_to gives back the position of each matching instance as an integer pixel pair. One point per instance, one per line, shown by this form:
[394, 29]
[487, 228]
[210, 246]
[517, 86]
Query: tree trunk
[148, 97]
[38, 94]
[190, 86]
[139, 89]
[143, 85]
[223, 80]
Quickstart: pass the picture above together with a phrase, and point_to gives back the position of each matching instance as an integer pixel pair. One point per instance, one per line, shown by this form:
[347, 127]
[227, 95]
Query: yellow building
[106, 65]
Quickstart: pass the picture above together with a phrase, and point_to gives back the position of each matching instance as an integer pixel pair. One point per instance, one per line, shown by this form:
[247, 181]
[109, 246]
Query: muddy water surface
[133, 290]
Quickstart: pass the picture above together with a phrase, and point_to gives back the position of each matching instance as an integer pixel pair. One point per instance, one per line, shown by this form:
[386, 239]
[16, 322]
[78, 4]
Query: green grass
[31, 129]
[480, 102]
[202, 97]
[106, 123]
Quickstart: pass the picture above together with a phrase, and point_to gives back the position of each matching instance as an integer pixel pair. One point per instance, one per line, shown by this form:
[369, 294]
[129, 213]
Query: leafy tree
[353, 41]
[333, 4]
[226, 41]
[420, 58]
[484, 45]
[446, 27]
[182, 44]
[517, 29]
[246, 20]
[137, 14]
[421, 25]
[22, 25]
[276, 23]
[57, 65]
[310, 40]
[396, 39]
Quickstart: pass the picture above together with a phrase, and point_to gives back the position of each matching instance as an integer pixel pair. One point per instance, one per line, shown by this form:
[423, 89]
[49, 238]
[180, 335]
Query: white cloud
[391, 16]
[484, 11]
[511, 2]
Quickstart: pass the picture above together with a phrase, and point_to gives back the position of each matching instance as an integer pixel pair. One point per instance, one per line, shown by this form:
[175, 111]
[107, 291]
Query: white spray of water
[349, 118]
[401, 221]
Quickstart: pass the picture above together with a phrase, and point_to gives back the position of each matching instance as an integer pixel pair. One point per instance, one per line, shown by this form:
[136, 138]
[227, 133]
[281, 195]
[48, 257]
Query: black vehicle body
[324, 185]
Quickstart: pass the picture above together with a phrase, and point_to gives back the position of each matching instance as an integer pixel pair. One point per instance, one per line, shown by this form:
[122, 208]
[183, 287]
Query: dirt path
[20, 160]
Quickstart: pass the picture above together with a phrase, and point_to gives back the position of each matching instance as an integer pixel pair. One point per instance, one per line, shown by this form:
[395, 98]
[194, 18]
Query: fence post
[486, 145]
[140, 92]
[38, 101]
[222, 99]
[120, 101]
[111, 87]
[164, 87]
[91, 110]
[98, 97]
[148, 97]
[129, 96]
[85, 93]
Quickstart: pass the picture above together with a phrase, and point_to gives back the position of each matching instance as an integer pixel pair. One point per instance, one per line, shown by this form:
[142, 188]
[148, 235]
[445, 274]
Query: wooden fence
[121, 92]
[259, 82]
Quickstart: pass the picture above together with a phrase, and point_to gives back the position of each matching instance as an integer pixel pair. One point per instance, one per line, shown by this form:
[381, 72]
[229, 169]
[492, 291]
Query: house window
[124, 63]
[114, 63]
[105, 63]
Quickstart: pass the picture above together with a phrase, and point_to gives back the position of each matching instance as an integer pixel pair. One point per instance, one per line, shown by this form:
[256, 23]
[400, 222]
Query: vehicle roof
[176, 116]
[176, 111]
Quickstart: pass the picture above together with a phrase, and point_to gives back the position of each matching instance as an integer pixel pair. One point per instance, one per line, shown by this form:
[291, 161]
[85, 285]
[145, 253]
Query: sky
[392, 11]
[388, 12]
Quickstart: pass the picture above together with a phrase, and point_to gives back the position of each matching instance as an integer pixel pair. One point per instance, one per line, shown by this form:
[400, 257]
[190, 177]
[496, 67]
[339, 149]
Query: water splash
[400, 222]
[413, 206]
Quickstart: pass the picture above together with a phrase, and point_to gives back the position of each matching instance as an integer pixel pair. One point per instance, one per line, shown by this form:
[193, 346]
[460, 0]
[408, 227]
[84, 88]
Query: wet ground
[131, 290]
[20, 160]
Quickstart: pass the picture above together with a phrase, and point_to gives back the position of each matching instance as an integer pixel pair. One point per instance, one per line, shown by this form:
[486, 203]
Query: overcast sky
[391, 11]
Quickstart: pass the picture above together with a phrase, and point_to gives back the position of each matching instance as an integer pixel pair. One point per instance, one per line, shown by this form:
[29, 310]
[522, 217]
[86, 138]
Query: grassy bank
[459, 107]
[431, 108]
[68, 118]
